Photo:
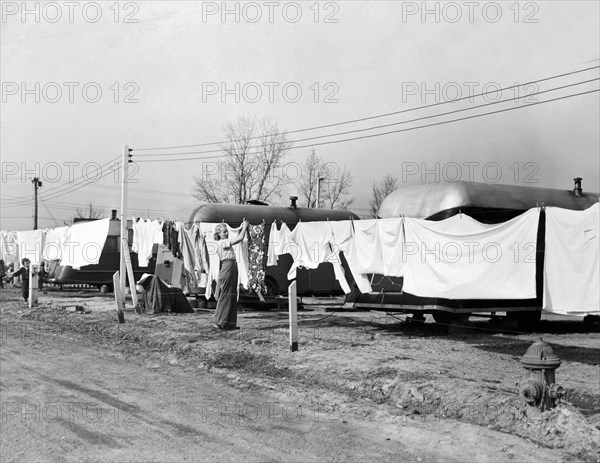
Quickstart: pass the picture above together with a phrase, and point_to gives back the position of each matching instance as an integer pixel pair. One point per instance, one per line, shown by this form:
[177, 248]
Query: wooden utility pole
[36, 184]
[123, 238]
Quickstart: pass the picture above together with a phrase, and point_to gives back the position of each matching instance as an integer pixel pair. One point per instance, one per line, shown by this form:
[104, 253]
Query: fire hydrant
[540, 389]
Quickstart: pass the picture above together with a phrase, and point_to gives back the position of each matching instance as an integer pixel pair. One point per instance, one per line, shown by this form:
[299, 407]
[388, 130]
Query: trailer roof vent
[293, 200]
[577, 190]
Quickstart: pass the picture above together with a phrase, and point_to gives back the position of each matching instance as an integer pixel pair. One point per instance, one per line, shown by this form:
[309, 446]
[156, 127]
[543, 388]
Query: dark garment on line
[226, 310]
[256, 258]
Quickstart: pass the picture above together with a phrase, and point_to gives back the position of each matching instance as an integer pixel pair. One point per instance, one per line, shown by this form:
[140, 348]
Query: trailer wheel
[449, 318]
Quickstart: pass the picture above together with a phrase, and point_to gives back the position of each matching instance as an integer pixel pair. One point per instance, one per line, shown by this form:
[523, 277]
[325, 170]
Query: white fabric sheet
[53, 243]
[343, 236]
[145, 234]
[278, 243]
[9, 251]
[30, 245]
[495, 263]
[571, 264]
[84, 243]
[310, 246]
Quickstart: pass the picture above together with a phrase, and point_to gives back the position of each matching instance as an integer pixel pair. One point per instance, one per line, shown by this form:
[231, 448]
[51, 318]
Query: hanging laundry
[208, 230]
[201, 253]
[30, 245]
[241, 256]
[84, 243]
[175, 240]
[343, 235]
[364, 250]
[189, 255]
[310, 245]
[390, 233]
[9, 251]
[53, 243]
[256, 255]
[278, 243]
[145, 234]
[494, 263]
[572, 261]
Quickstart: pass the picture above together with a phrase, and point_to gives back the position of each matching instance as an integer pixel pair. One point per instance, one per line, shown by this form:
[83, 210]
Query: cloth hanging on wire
[145, 234]
[279, 241]
[84, 243]
[572, 261]
[53, 243]
[256, 258]
[310, 245]
[201, 253]
[495, 263]
[188, 252]
[9, 251]
[30, 245]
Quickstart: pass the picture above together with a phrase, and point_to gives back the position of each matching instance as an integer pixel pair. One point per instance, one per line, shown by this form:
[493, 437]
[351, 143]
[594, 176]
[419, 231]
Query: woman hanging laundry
[227, 286]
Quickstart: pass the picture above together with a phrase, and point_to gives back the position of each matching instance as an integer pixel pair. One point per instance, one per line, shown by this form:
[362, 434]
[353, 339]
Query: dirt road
[64, 401]
[172, 390]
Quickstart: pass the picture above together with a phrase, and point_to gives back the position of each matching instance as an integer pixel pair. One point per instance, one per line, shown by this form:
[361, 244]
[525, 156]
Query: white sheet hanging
[310, 246]
[343, 235]
[495, 263]
[9, 250]
[30, 245]
[278, 243]
[145, 234]
[572, 261]
[53, 243]
[84, 243]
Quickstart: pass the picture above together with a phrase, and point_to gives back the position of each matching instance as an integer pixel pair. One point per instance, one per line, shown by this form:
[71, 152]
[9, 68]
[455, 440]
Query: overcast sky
[170, 73]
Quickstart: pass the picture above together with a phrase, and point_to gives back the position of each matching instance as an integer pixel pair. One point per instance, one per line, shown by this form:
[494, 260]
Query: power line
[397, 131]
[352, 121]
[382, 126]
[71, 188]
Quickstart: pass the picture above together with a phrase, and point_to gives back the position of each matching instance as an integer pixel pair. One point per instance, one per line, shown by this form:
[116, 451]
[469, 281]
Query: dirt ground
[363, 385]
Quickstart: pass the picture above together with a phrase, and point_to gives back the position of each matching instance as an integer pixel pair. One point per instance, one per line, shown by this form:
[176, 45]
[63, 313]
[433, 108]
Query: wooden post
[293, 303]
[125, 166]
[130, 275]
[118, 296]
[32, 299]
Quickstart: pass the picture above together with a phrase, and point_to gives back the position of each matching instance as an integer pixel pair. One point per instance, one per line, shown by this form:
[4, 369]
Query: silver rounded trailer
[487, 203]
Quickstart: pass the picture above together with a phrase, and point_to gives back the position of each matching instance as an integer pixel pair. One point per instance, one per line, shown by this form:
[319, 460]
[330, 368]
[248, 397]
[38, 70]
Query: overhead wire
[394, 113]
[384, 125]
[69, 189]
[392, 131]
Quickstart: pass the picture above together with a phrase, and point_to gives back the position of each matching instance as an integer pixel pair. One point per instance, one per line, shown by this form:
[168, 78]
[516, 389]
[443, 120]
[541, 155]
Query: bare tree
[309, 178]
[380, 189]
[89, 212]
[254, 151]
[337, 189]
[334, 185]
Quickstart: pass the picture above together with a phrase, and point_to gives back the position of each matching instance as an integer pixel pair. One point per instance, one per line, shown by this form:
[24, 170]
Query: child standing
[23, 272]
